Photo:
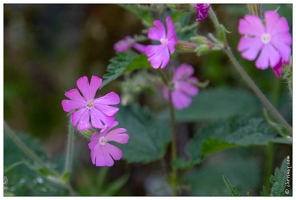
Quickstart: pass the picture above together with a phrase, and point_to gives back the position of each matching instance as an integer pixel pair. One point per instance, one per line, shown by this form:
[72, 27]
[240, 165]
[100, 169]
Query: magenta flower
[86, 108]
[273, 40]
[202, 10]
[102, 152]
[159, 55]
[184, 87]
[127, 43]
[278, 68]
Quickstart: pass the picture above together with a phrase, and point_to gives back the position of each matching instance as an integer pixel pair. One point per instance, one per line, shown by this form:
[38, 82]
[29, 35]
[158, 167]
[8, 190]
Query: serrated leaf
[214, 104]
[231, 189]
[124, 62]
[279, 180]
[149, 137]
[225, 134]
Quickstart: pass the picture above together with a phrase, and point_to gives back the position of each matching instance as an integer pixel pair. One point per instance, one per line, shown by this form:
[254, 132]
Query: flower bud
[199, 39]
[202, 49]
[255, 9]
[185, 46]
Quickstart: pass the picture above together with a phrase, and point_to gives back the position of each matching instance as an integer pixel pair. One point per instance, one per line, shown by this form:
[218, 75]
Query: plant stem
[26, 149]
[174, 175]
[256, 90]
[69, 155]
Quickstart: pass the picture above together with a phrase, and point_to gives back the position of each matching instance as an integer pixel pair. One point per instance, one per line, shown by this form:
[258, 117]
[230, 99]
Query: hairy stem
[70, 144]
[256, 90]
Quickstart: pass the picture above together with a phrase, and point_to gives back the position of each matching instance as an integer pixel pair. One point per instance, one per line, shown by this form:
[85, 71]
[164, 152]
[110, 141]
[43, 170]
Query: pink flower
[101, 150]
[273, 40]
[127, 43]
[202, 10]
[279, 68]
[184, 87]
[159, 55]
[86, 108]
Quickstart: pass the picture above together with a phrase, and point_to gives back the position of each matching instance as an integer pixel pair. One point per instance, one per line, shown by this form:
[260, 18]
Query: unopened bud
[185, 46]
[202, 49]
[255, 9]
[199, 39]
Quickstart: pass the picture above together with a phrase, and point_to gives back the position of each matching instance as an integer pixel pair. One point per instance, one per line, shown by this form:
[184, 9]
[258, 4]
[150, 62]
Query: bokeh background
[47, 47]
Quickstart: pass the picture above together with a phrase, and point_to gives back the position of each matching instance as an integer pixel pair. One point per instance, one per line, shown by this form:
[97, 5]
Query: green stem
[174, 174]
[269, 153]
[70, 144]
[26, 149]
[256, 90]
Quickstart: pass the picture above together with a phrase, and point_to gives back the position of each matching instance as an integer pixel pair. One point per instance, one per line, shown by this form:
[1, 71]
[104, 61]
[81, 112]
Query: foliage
[23, 178]
[149, 137]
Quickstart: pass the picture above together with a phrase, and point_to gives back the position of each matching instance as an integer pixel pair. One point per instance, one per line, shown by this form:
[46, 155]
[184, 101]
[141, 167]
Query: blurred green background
[47, 47]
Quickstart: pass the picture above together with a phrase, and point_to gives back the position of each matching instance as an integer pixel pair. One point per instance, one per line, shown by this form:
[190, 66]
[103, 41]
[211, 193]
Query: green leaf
[28, 179]
[144, 14]
[149, 137]
[218, 103]
[206, 180]
[124, 62]
[282, 179]
[225, 134]
[231, 189]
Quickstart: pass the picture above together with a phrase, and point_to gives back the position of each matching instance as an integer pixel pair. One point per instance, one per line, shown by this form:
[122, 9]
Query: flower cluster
[272, 40]
[88, 111]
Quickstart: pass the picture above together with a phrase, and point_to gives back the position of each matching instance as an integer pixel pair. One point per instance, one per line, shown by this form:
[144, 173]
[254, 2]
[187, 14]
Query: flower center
[265, 38]
[90, 104]
[103, 141]
[164, 41]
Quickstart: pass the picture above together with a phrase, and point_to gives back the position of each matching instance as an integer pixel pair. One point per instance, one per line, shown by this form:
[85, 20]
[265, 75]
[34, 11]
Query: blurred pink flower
[159, 55]
[273, 40]
[101, 150]
[127, 43]
[86, 107]
[202, 10]
[184, 87]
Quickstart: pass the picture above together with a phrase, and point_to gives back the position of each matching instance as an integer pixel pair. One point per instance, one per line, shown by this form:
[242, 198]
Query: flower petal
[81, 118]
[268, 56]
[250, 47]
[171, 35]
[188, 88]
[251, 25]
[69, 105]
[97, 117]
[95, 83]
[114, 151]
[159, 55]
[118, 135]
[158, 32]
[107, 110]
[83, 86]
[109, 99]
[183, 71]
[180, 100]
